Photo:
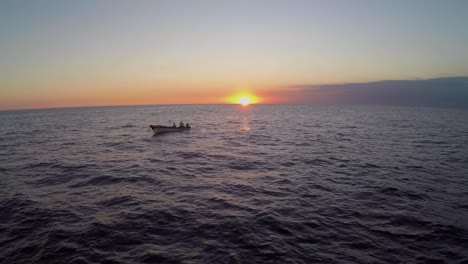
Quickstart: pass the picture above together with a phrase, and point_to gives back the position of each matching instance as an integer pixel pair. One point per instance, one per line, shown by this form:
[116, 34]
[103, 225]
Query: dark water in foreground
[264, 184]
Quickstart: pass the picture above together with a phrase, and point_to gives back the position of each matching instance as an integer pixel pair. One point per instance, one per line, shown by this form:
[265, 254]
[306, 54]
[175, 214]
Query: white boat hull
[164, 129]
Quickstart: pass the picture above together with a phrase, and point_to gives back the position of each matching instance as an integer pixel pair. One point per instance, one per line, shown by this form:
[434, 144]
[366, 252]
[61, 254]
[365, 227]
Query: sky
[85, 53]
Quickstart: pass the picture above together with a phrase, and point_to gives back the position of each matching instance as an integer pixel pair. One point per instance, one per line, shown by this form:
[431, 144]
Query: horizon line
[125, 105]
[260, 103]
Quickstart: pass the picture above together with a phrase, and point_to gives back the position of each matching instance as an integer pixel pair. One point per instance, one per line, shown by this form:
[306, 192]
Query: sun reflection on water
[245, 123]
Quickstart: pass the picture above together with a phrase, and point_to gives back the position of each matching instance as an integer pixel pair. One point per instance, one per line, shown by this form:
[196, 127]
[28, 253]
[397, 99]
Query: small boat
[167, 129]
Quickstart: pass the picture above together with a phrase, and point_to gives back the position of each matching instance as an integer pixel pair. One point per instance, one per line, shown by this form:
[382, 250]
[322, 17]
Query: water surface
[262, 184]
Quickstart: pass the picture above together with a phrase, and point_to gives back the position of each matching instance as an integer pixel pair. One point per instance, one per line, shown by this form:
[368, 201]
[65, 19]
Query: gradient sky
[79, 53]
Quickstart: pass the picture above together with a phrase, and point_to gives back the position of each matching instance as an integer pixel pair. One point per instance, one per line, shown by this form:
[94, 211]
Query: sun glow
[243, 99]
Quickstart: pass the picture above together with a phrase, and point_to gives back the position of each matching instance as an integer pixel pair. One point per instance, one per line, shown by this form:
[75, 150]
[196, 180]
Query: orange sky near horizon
[121, 95]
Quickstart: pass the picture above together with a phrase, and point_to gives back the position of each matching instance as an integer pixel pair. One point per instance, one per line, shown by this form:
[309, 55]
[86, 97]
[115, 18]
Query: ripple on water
[303, 184]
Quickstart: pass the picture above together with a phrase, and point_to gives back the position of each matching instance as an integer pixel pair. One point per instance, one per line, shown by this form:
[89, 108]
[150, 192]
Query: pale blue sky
[71, 48]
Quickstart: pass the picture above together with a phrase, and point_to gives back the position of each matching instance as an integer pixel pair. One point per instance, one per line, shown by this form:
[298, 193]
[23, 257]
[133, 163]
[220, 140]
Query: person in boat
[181, 124]
[187, 125]
[173, 125]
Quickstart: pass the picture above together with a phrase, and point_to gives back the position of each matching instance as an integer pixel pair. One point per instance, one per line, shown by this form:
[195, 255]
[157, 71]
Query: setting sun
[244, 100]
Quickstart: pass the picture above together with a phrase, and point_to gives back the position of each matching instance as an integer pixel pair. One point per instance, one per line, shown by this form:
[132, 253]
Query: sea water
[256, 184]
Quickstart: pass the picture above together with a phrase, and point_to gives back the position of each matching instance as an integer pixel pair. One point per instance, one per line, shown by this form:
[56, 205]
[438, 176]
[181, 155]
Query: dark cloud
[440, 92]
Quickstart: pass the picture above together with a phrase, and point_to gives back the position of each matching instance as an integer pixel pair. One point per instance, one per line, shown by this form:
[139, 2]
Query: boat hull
[164, 129]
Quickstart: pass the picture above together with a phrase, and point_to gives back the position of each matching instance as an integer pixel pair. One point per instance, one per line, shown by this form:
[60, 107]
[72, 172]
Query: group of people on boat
[181, 125]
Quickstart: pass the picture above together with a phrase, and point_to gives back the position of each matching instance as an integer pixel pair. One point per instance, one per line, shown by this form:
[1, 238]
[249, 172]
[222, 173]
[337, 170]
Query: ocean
[256, 184]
